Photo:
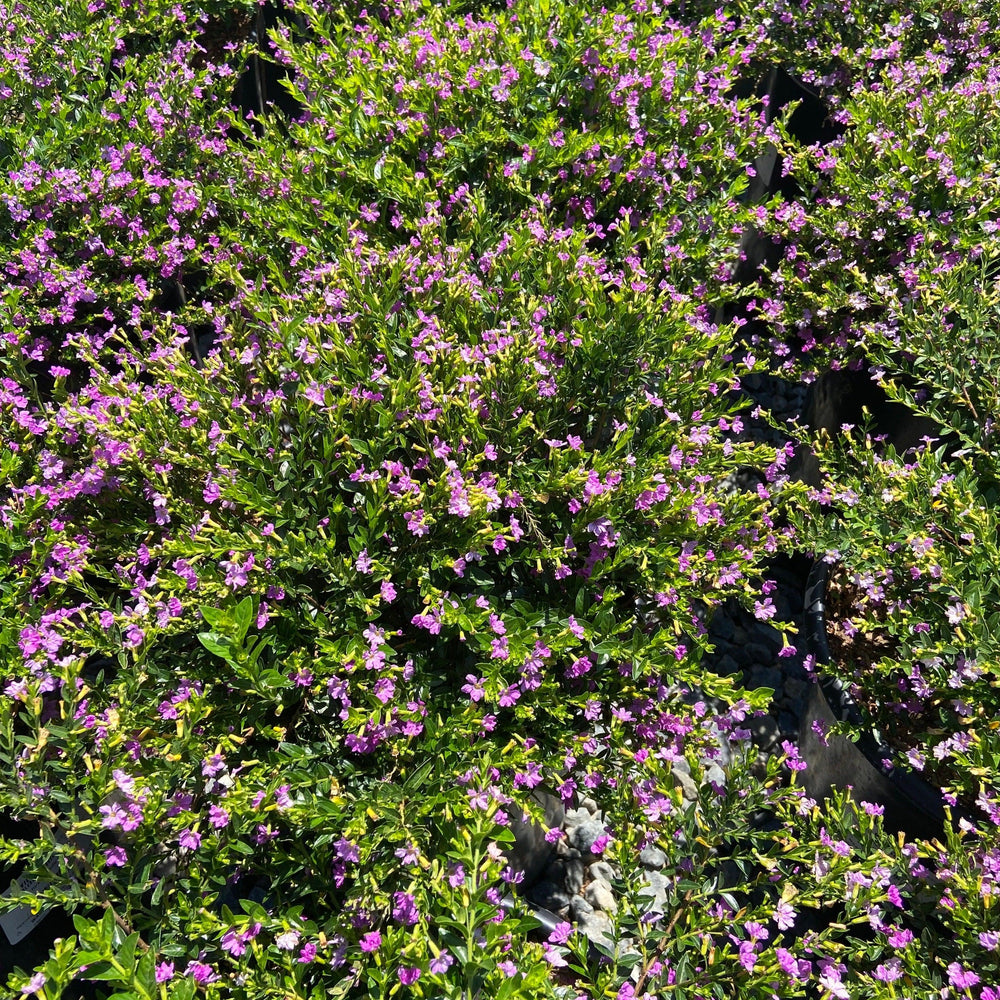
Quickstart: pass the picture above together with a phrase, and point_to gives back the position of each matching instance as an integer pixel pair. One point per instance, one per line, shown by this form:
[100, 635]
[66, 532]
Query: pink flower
[416, 522]
[201, 973]
[287, 940]
[890, 971]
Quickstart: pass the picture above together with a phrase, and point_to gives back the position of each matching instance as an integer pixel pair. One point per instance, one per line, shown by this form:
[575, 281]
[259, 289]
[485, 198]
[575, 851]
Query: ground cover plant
[367, 470]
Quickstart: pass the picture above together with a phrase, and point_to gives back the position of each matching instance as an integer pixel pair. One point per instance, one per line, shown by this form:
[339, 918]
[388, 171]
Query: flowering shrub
[366, 471]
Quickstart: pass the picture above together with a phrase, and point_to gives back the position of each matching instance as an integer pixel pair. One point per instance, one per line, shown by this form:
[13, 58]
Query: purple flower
[784, 915]
[307, 954]
[218, 817]
[416, 522]
[560, 933]
[408, 974]
[404, 908]
[347, 850]
[34, 984]
[115, 857]
[164, 972]
[441, 963]
[200, 972]
[190, 839]
[889, 971]
[233, 943]
[372, 941]
[960, 977]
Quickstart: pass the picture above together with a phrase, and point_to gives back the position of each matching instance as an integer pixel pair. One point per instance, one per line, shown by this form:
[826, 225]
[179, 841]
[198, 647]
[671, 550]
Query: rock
[681, 772]
[601, 870]
[655, 884]
[796, 689]
[566, 872]
[767, 677]
[531, 852]
[764, 729]
[582, 837]
[574, 817]
[573, 878]
[598, 928]
[715, 775]
[550, 895]
[591, 806]
[722, 627]
[600, 896]
[579, 908]
[652, 857]
[788, 724]
[726, 665]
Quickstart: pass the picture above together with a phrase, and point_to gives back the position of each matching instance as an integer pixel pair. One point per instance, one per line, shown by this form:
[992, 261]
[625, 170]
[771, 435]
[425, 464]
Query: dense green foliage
[367, 468]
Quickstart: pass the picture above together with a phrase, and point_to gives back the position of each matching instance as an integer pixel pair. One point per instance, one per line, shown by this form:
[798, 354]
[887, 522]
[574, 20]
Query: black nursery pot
[912, 806]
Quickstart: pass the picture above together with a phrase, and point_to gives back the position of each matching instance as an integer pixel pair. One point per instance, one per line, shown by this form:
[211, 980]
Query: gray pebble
[550, 895]
[598, 928]
[788, 724]
[796, 689]
[591, 806]
[600, 896]
[601, 870]
[566, 871]
[652, 857]
[722, 627]
[579, 908]
[656, 885]
[573, 879]
[768, 677]
[574, 817]
[583, 836]
[715, 774]
[681, 772]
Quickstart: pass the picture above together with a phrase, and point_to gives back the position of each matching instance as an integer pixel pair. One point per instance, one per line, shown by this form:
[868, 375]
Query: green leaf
[244, 617]
[217, 645]
[216, 617]
[145, 974]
